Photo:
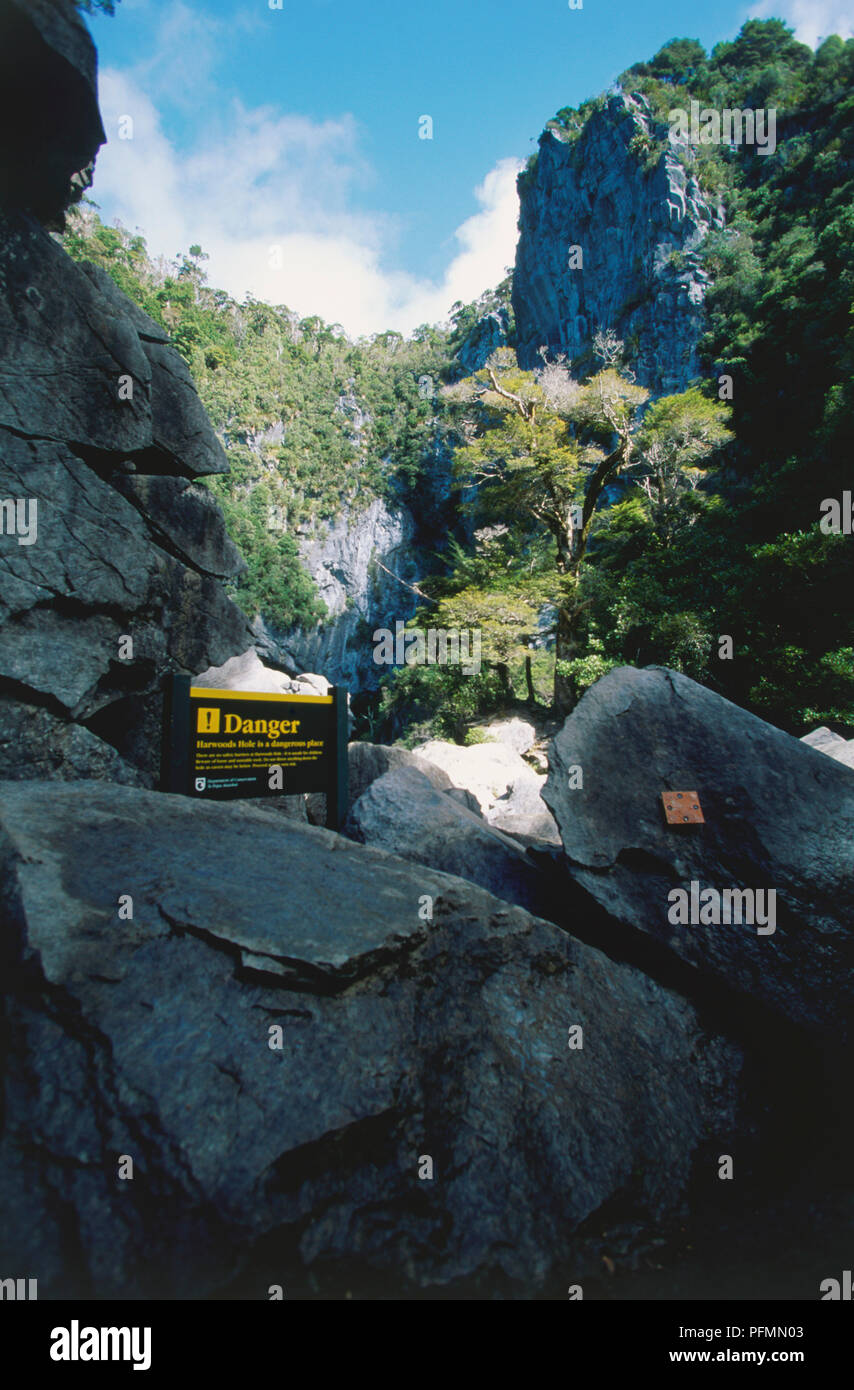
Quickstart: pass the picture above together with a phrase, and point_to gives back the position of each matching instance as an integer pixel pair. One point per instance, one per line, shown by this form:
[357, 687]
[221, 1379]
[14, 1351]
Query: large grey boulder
[515, 733]
[369, 761]
[834, 745]
[312, 683]
[403, 813]
[463, 798]
[419, 1017]
[246, 672]
[366, 762]
[508, 790]
[779, 816]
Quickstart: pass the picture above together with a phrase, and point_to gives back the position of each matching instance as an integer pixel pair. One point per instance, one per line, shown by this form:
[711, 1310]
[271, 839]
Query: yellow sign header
[201, 692]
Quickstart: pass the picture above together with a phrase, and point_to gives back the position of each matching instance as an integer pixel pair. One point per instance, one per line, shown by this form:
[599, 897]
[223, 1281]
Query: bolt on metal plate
[682, 807]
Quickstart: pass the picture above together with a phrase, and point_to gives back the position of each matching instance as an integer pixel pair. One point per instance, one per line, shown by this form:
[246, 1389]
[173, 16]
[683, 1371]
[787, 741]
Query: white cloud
[811, 20]
[260, 179]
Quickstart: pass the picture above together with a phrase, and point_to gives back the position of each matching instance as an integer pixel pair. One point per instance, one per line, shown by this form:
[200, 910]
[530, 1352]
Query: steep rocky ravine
[332, 1064]
[632, 203]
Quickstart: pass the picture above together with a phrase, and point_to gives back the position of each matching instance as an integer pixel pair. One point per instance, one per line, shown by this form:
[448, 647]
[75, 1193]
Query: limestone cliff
[362, 565]
[365, 562]
[633, 204]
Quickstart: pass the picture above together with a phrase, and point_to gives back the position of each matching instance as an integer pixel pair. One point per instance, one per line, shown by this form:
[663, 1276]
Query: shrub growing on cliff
[312, 423]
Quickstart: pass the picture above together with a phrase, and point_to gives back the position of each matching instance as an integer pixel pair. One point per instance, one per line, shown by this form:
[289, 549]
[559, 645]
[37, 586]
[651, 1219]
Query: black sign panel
[224, 744]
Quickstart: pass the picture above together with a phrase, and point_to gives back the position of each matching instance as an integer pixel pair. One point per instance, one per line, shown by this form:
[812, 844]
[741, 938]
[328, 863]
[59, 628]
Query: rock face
[778, 816]
[363, 563]
[508, 791]
[359, 594]
[402, 812]
[149, 1038]
[110, 554]
[84, 366]
[489, 333]
[186, 521]
[639, 228]
[49, 113]
[36, 744]
[834, 745]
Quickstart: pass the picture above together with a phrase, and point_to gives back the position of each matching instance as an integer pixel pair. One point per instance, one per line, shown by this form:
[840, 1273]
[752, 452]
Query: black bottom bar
[604, 1338]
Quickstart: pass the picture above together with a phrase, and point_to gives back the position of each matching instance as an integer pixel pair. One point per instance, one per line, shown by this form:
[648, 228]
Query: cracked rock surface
[125, 544]
[778, 815]
[640, 222]
[402, 1036]
[405, 814]
[93, 576]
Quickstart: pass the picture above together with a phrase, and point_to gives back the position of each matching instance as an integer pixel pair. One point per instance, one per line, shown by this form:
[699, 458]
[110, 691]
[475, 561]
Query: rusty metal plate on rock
[682, 807]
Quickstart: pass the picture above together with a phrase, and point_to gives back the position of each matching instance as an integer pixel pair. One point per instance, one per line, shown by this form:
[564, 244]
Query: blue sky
[286, 141]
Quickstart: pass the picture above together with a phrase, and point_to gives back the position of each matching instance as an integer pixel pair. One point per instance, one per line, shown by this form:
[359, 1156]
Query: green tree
[544, 446]
[676, 436]
[679, 60]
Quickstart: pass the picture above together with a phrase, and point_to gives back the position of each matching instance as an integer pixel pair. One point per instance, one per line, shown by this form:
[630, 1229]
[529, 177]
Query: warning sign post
[225, 744]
